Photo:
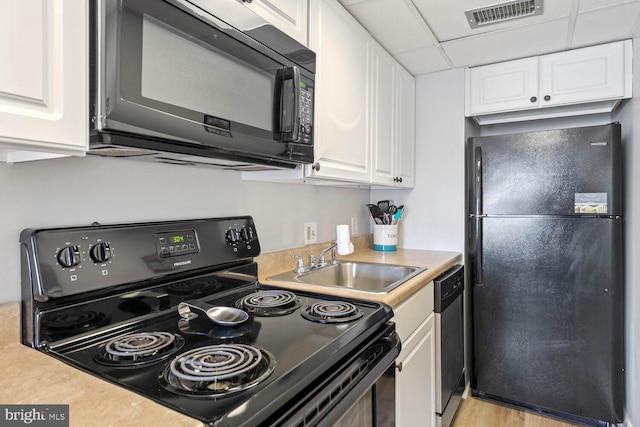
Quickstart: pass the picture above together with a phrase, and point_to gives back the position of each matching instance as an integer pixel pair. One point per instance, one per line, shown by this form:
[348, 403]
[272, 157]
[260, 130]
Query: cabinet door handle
[316, 167]
[547, 98]
[533, 99]
[399, 366]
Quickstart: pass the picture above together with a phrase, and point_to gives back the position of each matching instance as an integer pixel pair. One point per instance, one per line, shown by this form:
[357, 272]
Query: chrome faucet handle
[300, 266]
[333, 249]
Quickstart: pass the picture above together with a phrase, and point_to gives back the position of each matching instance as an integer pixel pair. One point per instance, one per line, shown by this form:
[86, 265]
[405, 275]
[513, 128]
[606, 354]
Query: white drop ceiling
[433, 35]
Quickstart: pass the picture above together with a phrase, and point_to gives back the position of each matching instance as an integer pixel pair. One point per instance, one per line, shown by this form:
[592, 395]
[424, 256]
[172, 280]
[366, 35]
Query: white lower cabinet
[44, 92]
[415, 367]
[415, 379]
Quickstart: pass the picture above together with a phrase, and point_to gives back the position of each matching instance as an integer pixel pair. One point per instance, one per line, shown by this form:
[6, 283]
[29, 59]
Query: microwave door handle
[295, 137]
[289, 134]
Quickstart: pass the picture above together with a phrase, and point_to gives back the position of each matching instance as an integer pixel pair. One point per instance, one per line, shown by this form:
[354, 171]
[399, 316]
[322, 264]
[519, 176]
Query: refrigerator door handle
[478, 251]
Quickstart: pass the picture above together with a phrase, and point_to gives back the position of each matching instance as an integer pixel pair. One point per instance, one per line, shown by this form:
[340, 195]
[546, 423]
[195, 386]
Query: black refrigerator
[545, 254]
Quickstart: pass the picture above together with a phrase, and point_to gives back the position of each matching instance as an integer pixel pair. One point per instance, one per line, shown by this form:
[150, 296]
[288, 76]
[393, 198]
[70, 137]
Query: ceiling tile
[588, 5]
[503, 45]
[393, 24]
[423, 61]
[447, 20]
[613, 23]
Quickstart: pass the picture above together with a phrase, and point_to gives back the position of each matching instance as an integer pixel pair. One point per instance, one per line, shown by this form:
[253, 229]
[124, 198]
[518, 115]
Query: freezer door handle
[478, 180]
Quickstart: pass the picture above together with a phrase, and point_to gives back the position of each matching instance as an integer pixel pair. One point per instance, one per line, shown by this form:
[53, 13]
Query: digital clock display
[177, 243]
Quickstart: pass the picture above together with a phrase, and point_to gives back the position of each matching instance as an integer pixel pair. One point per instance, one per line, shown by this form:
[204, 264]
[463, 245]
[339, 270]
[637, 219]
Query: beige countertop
[31, 377]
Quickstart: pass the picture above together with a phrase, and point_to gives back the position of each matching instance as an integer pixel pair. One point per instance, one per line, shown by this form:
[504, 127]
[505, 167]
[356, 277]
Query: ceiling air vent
[503, 12]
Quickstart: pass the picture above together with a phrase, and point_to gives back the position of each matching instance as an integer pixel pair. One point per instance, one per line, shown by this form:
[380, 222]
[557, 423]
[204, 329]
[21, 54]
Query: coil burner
[270, 303]
[138, 349]
[217, 370]
[331, 312]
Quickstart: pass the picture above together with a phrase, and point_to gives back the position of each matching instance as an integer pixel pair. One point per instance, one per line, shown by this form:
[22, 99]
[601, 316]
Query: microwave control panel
[306, 113]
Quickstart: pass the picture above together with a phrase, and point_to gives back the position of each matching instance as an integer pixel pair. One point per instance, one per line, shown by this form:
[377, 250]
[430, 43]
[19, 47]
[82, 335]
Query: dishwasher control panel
[448, 286]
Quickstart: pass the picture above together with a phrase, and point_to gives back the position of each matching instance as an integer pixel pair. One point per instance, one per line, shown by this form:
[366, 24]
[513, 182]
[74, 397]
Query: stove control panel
[177, 243]
[235, 236]
[80, 259]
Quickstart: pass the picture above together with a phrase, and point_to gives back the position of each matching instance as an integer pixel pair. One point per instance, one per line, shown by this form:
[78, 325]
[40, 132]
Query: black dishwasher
[449, 333]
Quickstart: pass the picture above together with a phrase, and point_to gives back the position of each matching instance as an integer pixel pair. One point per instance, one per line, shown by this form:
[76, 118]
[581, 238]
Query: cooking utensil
[398, 214]
[376, 213]
[225, 316]
[384, 205]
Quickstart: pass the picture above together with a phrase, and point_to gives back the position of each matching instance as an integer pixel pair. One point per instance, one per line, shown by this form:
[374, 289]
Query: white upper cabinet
[383, 116]
[506, 86]
[289, 16]
[364, 112]
[405, 158]
[392, 122]
[583, 75]
[581, 81]
[44, 83]
[343, 49]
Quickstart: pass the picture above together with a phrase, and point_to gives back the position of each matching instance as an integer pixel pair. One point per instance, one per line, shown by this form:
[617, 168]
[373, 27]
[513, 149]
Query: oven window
[181, 71]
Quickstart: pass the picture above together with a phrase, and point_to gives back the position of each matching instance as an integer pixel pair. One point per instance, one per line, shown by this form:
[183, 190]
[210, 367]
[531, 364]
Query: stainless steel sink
[361, 276]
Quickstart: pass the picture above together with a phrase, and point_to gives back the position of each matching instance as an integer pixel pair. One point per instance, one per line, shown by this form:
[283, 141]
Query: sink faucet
[322, 262]
[316, 262]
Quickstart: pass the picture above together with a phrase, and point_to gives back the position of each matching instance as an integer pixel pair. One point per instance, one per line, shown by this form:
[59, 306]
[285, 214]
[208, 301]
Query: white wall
[79, 191]
[435, 211]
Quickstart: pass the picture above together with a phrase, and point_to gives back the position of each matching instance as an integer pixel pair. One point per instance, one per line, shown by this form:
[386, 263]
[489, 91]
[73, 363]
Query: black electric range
[105, 299]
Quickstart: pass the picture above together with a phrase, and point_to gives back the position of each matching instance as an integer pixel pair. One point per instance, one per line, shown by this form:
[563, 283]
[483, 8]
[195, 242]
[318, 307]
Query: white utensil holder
[385, 237]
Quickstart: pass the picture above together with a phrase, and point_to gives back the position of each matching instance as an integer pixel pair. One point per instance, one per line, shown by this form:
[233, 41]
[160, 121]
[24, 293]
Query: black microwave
[201, 82]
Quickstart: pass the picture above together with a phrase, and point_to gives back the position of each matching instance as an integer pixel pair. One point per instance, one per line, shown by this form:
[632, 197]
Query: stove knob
[69, 256]
[232, 236]
[100, 252]
[246, 234]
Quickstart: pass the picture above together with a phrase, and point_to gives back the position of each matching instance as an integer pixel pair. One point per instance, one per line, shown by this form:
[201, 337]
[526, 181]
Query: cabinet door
[343, 49]
[415, 379]
[405, 158]
[44, 91]
[583, 75]
[502, 87]
[289, 16]
[383, 116]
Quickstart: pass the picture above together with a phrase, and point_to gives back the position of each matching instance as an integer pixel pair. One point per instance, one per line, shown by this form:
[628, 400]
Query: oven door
[360, 390]
[170, 71]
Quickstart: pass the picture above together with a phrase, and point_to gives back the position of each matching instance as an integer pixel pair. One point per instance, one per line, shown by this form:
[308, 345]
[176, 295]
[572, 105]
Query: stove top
[121, 322]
